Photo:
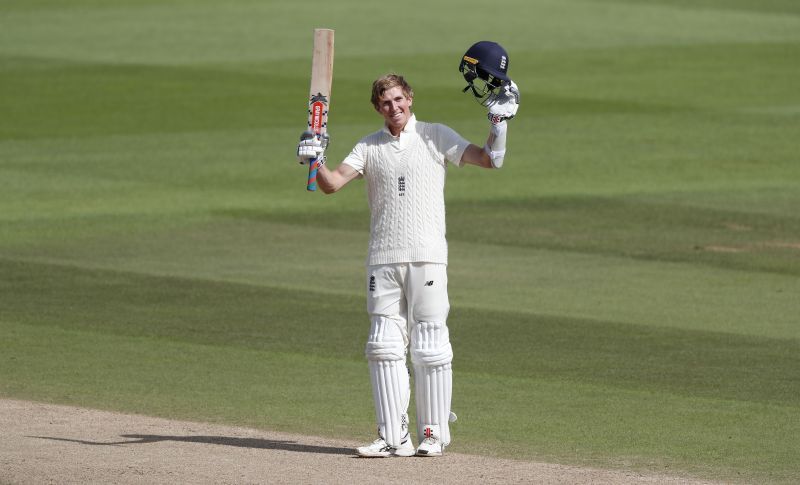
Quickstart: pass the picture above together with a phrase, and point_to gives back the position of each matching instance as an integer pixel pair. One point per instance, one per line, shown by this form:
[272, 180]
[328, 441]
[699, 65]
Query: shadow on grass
[258, 443]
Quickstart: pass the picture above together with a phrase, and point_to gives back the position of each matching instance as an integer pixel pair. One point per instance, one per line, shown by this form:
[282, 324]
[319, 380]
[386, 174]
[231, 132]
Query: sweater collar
[410, 126]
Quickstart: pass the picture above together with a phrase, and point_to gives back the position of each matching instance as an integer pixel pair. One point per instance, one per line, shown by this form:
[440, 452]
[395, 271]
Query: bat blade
[320, 93]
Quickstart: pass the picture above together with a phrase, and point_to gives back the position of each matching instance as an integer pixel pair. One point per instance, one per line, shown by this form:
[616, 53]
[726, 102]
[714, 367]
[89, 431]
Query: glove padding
[312, 146]
[504, 103]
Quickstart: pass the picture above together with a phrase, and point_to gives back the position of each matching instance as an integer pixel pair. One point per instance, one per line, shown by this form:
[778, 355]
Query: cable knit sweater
[405, 184]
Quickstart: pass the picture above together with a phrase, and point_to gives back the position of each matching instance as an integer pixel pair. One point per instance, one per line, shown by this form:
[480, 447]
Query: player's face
[395, 108]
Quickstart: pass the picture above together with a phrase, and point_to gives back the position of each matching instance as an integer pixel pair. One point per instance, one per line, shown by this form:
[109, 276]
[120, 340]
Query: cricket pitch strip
[44, 443]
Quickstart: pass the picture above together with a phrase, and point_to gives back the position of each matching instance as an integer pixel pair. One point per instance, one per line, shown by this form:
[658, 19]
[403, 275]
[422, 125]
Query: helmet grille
[481, 82]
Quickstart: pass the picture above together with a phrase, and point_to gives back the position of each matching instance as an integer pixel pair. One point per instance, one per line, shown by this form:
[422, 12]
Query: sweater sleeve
[450, 144]
[357, 157]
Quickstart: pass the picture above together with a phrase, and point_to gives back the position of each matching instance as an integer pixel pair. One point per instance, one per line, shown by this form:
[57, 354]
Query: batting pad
[391, 390]
[432, 355]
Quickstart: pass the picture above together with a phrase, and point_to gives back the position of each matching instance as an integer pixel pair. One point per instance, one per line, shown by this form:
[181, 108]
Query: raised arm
[475, 155]
[502, 107]
[313, 148]
[331, 181]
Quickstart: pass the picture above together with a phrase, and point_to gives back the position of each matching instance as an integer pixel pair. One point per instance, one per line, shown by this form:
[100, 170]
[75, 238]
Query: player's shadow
[140, 439]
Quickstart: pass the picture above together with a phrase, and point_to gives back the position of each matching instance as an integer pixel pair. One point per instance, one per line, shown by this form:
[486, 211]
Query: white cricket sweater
[405, 186]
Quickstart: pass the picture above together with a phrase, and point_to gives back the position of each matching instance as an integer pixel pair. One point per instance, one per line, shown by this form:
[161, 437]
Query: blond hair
[387, 82]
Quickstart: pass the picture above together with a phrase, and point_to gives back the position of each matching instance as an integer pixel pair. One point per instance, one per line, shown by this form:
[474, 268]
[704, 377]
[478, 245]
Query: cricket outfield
[624, 291]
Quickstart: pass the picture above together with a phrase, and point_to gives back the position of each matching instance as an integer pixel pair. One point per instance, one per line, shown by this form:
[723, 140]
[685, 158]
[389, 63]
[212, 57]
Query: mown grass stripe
[692, 363]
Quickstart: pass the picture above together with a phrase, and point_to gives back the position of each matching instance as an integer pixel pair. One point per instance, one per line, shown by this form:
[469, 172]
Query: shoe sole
[367, 453]
[398, 453]
[425, 453]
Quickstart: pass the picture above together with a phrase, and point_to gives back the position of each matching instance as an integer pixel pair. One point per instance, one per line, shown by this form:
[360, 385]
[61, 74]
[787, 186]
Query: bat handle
[313, 166]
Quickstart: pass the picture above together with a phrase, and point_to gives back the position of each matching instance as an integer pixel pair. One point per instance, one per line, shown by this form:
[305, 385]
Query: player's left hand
[503, 104]
[311, 147]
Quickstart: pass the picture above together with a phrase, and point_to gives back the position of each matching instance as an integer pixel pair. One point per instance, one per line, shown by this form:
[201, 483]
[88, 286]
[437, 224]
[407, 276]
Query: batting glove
[312, 146]
[503, 105]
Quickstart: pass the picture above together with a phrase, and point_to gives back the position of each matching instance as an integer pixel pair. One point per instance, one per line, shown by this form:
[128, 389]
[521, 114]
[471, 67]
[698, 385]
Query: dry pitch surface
[43, 443]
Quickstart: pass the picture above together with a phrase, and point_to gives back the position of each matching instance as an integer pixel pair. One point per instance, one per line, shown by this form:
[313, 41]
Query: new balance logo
[372, 283]
[429, 283]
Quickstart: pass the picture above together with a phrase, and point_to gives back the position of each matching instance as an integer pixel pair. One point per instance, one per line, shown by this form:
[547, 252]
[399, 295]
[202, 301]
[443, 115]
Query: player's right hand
[311, 147]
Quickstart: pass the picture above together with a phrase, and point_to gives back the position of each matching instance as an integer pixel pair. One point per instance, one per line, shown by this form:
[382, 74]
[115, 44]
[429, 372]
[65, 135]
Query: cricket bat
[320, 94]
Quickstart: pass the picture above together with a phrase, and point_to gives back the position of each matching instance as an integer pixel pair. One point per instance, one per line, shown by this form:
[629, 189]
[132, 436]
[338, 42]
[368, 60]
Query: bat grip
[313, 166]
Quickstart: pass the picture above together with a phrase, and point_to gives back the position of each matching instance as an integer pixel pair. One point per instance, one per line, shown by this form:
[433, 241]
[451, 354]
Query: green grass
[624, 291]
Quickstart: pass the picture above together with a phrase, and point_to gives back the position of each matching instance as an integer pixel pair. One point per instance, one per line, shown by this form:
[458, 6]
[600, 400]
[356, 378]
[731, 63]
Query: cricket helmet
[485, 68]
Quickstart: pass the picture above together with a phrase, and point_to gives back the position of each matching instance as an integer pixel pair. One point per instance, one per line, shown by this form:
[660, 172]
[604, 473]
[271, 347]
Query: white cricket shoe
[430, 446]
[380, 449]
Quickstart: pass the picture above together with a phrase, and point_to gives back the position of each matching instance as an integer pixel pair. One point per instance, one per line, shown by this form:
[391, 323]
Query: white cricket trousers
[408, 307]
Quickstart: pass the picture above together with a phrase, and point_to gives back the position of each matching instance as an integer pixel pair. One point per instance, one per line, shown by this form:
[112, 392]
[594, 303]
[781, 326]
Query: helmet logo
[502, 62]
